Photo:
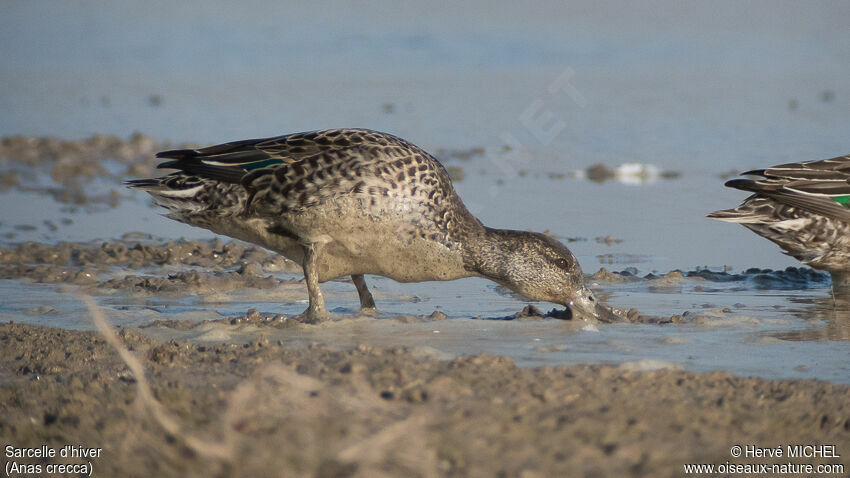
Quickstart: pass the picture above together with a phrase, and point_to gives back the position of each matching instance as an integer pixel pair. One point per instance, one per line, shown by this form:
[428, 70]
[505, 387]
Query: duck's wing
[231, 162]
[304, 169]
[821, 187]
[833, 169]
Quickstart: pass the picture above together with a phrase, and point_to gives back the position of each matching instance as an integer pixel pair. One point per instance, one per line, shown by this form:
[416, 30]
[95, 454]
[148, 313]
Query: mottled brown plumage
[354, 202]
[802, 207]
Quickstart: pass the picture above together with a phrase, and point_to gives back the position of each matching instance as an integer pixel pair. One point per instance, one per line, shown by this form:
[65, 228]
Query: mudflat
[266, 409]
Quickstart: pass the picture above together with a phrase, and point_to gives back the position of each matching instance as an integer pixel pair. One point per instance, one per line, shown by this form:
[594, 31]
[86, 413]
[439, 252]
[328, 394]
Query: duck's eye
[562, 263]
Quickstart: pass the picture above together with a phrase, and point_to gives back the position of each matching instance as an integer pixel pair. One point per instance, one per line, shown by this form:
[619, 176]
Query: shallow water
[695, 91]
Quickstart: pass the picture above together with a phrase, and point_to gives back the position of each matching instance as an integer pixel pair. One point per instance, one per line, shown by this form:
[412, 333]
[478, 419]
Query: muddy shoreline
[260, 409]
[255, 393]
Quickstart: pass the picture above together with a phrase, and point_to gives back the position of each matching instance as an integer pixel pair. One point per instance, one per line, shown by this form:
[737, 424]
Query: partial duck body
[804, 208]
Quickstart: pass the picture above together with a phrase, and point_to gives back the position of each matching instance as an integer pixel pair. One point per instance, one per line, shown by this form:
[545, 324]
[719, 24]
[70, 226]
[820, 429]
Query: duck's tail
[752, 211]
[731, 215]
[187, 196]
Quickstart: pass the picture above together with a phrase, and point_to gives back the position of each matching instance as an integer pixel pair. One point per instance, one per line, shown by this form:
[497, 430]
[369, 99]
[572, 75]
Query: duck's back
[317, 166]
[346, 187]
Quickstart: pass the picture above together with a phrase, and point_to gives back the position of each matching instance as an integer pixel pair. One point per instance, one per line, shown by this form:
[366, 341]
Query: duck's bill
[586, 309]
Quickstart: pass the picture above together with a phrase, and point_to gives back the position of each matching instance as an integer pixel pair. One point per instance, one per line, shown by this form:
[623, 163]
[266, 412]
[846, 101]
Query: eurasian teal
[353, 202]
[802, 207]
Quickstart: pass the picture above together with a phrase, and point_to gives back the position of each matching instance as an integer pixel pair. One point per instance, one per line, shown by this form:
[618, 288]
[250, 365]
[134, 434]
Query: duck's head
[542, 269]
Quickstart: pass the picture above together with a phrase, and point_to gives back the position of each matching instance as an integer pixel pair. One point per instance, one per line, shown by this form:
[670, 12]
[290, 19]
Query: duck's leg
[367, 303]
[840, 285]
[316, 311]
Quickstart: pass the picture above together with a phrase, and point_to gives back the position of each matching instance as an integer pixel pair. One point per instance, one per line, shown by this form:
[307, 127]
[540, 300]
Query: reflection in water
[835, 313]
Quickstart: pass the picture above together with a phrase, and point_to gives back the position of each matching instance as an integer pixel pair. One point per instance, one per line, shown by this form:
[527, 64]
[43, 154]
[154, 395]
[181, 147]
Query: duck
[804, 208]
[351, 202]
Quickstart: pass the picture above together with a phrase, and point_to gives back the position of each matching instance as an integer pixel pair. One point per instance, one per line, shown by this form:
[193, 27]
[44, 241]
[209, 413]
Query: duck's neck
[490, 253]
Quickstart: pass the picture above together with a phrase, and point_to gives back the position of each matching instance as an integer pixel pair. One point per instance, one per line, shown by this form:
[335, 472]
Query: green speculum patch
[259, 164]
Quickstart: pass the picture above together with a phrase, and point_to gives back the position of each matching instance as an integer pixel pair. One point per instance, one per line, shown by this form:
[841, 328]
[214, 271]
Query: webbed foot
[313, 315]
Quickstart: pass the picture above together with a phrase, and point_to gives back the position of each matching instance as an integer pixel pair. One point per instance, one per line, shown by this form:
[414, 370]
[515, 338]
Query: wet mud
[74, 165]
[788, 278]
[261, 408]
[221, 266]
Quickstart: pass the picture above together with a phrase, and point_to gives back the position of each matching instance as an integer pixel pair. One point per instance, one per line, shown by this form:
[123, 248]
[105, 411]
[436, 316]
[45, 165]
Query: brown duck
[353, 202]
